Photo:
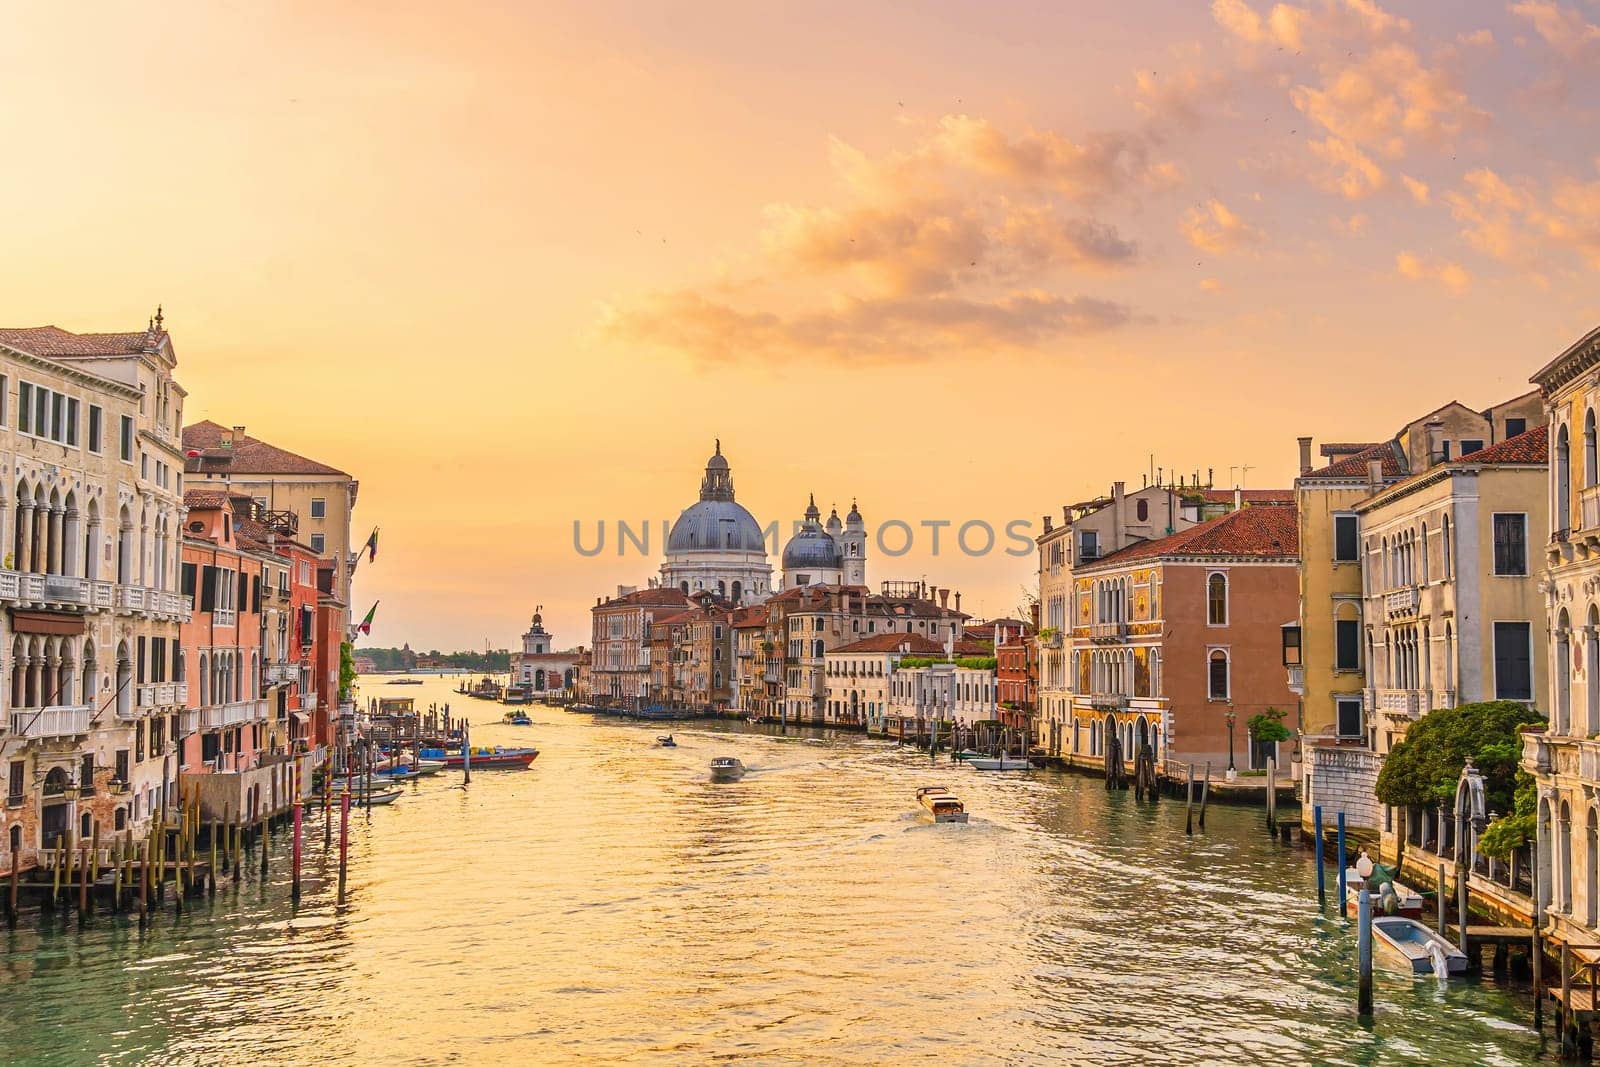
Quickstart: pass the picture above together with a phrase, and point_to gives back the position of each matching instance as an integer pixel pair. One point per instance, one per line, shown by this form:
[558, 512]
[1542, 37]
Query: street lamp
[1230, 716]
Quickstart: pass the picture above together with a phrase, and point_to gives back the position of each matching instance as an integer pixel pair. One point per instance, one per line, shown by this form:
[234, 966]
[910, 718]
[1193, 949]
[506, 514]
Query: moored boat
[1421, 950]
[486, 758]
[726, 769]
[666, 741]
[358, 799]
[942, 804]
[1002, 762]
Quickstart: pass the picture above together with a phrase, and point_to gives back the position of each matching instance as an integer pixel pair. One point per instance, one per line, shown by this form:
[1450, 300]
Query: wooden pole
[227, 842]
[1322, 891]
[16, 871]
[94, 851]
[55, 888]
[212, 879]
[1205, 794]
[238, 850]
[1340, 904]
[327, 811]
[144, 880]
[1537, 953]
[344, 839]
[295, 890]
[466, 754]
[1461, 904]
[1564, 1016]
[1272, 794]
[1441, 900]
[1364, 954]
[1188, 803]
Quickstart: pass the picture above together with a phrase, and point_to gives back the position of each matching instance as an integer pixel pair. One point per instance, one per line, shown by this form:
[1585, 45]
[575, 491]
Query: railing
[308, 701]
[1108, 701]
[60, 720]
[1399, 602]
[224, 616]
[236, 713]
[1108, 631]
[1409, 702]
[151, 601]
[156, 694]
[280, 673]
[1444, 698]
[188, 721]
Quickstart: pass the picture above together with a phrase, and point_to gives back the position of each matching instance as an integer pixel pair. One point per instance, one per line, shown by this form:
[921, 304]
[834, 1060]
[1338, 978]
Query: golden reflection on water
[612, 905]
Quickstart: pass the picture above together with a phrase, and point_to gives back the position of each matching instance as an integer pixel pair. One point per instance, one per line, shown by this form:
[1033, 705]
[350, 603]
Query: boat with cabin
[1002, 762]
[517, 718]
[666, 741]
[485, 758]
[726, 769]
[942, 804]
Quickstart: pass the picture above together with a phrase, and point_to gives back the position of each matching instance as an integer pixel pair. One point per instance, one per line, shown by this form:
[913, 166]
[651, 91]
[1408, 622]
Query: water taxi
[517, 718]
[666, 741]
[726, 769]
[485, 758]
[942, 804]
[1002, 762]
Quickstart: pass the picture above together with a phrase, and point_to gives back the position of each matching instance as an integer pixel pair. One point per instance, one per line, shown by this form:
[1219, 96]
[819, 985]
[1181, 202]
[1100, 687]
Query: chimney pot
[958, 600]
[1374, 474]
[1305, 454]
[1047, 526]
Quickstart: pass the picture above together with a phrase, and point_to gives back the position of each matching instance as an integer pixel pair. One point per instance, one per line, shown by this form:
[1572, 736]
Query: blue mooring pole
[1322, 893]
[1341, 864]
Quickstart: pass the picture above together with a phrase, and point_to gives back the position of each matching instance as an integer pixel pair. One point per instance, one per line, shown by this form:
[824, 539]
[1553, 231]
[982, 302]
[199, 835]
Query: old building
[858, 675]
[716, 545]
[1176, 642]
[90, 520]
[540, 669]
[619, 670]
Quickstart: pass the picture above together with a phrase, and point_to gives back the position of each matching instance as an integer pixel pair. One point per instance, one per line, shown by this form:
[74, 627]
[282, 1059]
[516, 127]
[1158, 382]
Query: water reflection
[611, 904]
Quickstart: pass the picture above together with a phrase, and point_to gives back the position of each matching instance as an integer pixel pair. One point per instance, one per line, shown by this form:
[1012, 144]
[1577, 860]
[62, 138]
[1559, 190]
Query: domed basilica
[718, 546]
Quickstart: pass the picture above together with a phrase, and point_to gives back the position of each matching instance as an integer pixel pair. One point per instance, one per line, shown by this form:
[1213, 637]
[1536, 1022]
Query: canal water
[612, 905]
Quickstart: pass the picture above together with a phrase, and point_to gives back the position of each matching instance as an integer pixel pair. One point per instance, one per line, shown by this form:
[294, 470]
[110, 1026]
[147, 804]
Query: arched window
[1217, 676]
[1217, 600]
[1444, 549]
[1590, 476]
[1142, 509]
[1563, 502]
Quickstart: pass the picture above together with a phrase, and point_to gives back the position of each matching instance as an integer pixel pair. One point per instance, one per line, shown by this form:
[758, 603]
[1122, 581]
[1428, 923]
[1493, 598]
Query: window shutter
[208, 589]
[187, 587]
[255, 594]
[243, 590]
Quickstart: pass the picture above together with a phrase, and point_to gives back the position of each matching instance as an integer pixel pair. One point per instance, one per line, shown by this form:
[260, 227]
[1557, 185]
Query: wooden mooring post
[1188, 803]
[1441, 898]
[11, 896]
[1536, 954]
[344, 839]
[1272, 795]
[1364, 954]
[1339, 903]
[1205, 793]
[1322, 891]
[294, 891]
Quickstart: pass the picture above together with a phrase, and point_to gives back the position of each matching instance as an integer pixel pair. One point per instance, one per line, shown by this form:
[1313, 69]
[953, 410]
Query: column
[41, 539]
[55, 555]
[24, 560]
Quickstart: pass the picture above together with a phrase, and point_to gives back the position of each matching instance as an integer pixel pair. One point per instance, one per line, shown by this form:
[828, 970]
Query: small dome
[812, 547]
[854, 520]
[834, 525]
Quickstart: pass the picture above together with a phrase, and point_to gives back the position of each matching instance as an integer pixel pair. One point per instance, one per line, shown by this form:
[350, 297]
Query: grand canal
[611, 905]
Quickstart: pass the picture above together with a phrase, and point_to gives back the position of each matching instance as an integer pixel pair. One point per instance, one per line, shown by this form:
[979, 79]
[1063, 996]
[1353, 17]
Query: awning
[42, 622]
[301, 716]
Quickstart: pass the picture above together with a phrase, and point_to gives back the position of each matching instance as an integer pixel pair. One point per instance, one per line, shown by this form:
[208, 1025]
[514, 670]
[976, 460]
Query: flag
[366, 623]
[372, 546]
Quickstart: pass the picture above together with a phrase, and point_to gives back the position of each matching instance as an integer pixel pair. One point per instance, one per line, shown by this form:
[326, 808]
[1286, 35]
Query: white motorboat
[942, 804]
[429, 766]
[1002, 762]
[726, 769]
[1422, 950]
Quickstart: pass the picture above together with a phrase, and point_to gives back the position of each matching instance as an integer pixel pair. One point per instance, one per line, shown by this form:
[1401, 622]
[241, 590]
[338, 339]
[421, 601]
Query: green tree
[1515, 829]
[1268, 727]
[1423, 769]
[347, 671]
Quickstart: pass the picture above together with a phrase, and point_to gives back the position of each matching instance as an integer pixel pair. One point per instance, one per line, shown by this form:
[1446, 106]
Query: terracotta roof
[1249, 496]
[1344, 448]
[1269, 531]
[892, 642]
[250, 455]
[674, 619]
[967, 647]
[755, 616]
[659, 596]
[53, 342]
[1356, 466]
[204, 499]
[1531, 447]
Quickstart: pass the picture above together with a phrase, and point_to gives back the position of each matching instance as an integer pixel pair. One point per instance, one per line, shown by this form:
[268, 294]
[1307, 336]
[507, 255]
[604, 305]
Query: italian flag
[366, 623]
[372, 546]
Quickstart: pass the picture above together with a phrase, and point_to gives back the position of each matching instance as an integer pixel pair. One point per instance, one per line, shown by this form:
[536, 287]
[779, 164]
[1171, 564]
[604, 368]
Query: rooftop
[893, 642]
[1265, 531]
[249, 455]
[53, 342]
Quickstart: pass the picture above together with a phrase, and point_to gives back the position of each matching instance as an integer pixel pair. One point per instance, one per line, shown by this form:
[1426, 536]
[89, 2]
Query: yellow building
[1336, 729]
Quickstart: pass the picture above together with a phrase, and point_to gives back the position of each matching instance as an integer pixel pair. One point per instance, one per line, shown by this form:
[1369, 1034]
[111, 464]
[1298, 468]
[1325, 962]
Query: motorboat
[666, 741]
[969, 754]
[942, 804]
[518, 718]
[1423, 950]
[406, 681]
[1407, 902]
[1002, 762]
[357, 799]
[726, 769]
[486, 758]
[753, 720]
[426, 767]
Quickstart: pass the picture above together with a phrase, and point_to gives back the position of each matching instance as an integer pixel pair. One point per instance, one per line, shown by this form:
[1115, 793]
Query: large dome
[715, 526]
[812, 546]
[716, 523]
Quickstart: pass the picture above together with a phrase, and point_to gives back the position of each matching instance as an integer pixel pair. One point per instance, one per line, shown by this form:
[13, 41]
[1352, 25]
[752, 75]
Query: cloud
[1452, 276]
[889, 329]
[1387, 98]
[1295, 28]
[1417, 188]
[1564, 29]
[1213, 227]
[1211, 285]
[1349, 171]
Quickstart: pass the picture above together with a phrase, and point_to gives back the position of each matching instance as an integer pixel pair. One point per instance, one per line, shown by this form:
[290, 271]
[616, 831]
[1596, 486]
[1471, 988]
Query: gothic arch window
[1217, 599]
[1217, 675]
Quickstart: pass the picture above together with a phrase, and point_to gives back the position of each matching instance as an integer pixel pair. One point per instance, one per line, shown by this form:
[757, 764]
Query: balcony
[236, 713]
[1108, 701]
[49, 590]
[280, 673]
[59, 720]
[308, 701]
[1401, 603]
[1589, 507]
[1051, 640]
[188, 722]
[1104, 633]
[152, 602]
[1404, 703]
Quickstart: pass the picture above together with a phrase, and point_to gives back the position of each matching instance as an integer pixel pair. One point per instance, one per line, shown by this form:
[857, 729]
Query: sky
[516, 266]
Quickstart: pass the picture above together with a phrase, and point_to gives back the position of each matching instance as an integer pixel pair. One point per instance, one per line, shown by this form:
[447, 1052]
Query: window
[46, 413]
[1346, 538]
[317, 543]
[1217, 687]
[1511, 544]
[72, 422]
[1347, 645]
[1513, 652]
[1444, 451]
[1468, 447]
[125, 450]
[121, 766]
[319, 507]
[1142, 509]
[1088, 545]
[4, 382]
[25, 407]
[1217, 600]
[1347, 714]
[1516, 426]
[17, 789]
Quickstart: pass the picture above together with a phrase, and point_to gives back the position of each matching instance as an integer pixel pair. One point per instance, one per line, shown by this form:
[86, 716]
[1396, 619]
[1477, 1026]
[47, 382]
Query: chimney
[1435, 441]
[958, 600]
[1305, 454]
[1374, 475]
[944, 598]
[1238, 498]
[1047, 526]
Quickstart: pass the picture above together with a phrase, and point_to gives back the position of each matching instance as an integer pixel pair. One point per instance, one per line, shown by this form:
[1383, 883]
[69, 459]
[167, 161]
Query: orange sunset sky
[516, 265]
